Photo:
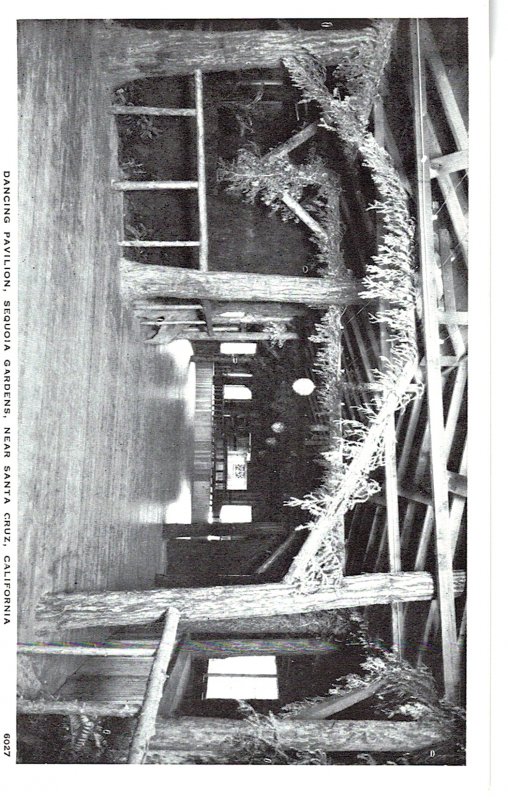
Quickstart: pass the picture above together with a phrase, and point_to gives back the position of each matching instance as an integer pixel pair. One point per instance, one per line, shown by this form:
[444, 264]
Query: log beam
[194, 734]
[439, 481]
[145, 281]
[81, 609]
[225, 648]
[127, 54]
[89, 708]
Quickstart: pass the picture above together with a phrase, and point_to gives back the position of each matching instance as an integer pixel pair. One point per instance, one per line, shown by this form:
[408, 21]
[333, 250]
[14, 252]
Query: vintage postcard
[238, 464]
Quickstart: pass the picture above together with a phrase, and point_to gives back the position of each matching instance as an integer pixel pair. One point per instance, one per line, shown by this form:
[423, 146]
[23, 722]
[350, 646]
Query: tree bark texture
[140, 281]
[128, 54]
[334, 705]
[323, 624]
[81, 609]
[196, 733]
[224, 648]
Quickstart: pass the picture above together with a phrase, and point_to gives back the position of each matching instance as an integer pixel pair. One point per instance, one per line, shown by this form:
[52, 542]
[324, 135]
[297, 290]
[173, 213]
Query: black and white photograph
[235, 404]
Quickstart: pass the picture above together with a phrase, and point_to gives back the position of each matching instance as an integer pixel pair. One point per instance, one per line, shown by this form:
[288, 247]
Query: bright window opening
[235, 513]
[238, 348]
[242, 678]
[234, 391]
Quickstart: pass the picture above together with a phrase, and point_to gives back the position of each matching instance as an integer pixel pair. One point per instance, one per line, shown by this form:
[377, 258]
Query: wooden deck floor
[103, 425]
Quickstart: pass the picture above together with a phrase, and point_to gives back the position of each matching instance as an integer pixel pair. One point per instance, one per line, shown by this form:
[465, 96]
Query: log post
[81, 609]
[152, 281]
[225, 648]
[89, 708]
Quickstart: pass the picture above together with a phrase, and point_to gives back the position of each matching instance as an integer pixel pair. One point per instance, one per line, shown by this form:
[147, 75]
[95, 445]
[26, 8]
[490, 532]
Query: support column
[225, 648]
[145, 281]
[128, 54]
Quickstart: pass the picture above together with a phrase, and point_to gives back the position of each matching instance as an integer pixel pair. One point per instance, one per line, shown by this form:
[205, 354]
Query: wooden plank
[303, 215]
[287, 646]
[168, 322]
[449, 433]
[378, 514]
[448, 275]
[196, 733]
[148, 186]
[443, 85]
[434, 387]
[452, 162]
[226, 335]
[390, 440]
[393, 531]
[145, 727]
[117, 667]
[453, 317]
[337, 704]
[92, 708]
[177, 682]
[456, 511]
[456, 403]
[200, 130]
[100, 686]
[295, 141]
[153, 111]
[149, 243]
[458, 503]
[149, 306]
[84, 650]
[277, 554]
[453, 196]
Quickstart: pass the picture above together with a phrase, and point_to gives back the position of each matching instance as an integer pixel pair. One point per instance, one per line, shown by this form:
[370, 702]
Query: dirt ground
[103, 421]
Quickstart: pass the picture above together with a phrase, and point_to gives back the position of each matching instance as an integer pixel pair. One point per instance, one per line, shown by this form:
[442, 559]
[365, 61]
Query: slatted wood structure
[418, 519]
[115, 679]
[149, 680]
[202, 454]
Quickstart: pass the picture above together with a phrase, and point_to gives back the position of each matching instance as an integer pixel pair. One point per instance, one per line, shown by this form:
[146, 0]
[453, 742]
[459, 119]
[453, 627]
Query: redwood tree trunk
[128, 54]
[151, 281]
[80, 609]
[201, 733]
